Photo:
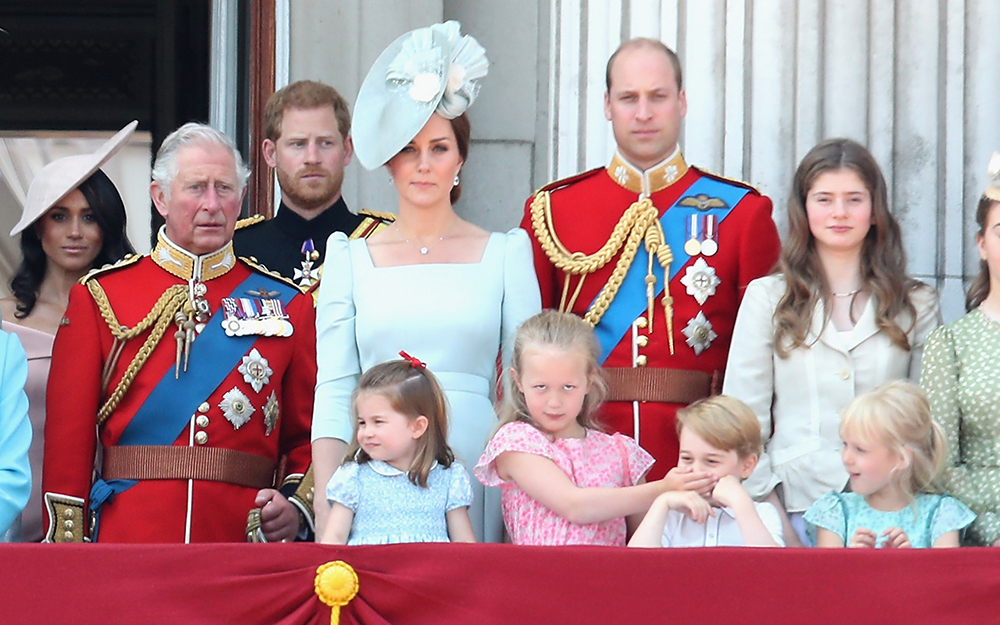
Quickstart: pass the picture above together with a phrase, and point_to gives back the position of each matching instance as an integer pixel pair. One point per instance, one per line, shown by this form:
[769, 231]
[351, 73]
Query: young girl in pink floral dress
[563, 481]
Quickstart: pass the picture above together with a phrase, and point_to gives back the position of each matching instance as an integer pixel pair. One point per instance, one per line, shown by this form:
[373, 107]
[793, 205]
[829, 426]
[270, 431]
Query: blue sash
[168, 408]
[630, 302]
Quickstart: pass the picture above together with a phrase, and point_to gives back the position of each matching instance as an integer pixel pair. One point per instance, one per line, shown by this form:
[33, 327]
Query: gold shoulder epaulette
[733, 181]
[130, 259]
[249, 221]
[565, 182]
[364, 212]
[253, 264]
[372, 222]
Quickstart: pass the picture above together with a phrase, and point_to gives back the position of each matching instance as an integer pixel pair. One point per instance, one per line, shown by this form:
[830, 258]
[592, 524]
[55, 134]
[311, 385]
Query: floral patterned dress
[597, 460]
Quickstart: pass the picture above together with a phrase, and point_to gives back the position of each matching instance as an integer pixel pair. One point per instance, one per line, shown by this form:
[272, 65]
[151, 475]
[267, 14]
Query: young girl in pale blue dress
[892, 450]
[400, 482]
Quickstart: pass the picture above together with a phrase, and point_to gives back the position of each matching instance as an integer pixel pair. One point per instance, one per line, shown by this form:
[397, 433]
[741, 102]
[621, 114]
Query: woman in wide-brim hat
[432, 284]
[73, 221]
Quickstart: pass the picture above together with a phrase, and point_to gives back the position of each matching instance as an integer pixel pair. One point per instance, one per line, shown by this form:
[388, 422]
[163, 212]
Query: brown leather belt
[158, 462]
[671, 386]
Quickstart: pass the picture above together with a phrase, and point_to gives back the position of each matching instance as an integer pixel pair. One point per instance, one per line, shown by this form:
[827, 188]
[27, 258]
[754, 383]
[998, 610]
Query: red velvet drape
[236, 583]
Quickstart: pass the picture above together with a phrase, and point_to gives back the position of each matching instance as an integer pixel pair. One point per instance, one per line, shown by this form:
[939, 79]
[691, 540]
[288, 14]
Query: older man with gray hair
[188, 373]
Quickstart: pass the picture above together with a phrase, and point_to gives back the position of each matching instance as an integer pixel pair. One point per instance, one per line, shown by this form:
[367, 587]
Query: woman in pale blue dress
[432, 284]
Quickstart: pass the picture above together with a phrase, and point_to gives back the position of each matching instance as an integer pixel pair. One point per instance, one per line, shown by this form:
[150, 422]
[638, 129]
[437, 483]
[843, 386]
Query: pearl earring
[457, 181]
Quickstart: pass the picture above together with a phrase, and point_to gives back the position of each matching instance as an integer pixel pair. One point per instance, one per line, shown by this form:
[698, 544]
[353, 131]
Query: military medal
[692, 247]
[271, 413]
[236, 407]
[255, 370]
[307, 275]
[709, 246]
[244, 316]
[700, 280]
[699, 333]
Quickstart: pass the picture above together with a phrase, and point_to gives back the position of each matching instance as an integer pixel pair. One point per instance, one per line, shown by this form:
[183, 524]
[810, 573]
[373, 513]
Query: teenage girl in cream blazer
[839, 319]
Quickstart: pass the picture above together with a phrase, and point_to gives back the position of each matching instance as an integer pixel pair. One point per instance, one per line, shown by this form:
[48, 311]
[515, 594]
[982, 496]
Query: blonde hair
[561, 331]
[723, 422]
[898, 415]
[412, 391]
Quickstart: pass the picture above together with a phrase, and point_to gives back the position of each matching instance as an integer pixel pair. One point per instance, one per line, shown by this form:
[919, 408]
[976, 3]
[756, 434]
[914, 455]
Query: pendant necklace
[423, 248]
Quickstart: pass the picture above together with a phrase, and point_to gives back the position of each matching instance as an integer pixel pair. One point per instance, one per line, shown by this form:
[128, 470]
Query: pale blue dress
[844, 513]
[457, 318]
[388, 508]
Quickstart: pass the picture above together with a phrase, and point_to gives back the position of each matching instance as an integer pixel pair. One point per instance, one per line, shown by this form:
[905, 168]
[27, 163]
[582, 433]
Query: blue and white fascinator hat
[427, 70]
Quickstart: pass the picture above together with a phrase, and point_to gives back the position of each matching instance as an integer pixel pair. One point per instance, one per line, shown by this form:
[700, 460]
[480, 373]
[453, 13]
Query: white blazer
[798, 399]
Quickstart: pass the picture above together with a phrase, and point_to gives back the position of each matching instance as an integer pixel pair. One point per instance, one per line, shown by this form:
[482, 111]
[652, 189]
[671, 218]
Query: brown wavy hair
[411, 391]
[565, 332]
[883, 260]
[980, 286]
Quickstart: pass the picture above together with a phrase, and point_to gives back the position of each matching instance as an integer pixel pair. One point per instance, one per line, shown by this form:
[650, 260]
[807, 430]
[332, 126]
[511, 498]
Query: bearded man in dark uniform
[307, 125]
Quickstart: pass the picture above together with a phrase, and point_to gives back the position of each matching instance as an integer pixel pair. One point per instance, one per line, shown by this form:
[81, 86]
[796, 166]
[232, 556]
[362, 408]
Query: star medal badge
[271, 413]
[700, 281]
[236, 407]
[309, 274]
[255, 370]
[699, 333]
[243, 316]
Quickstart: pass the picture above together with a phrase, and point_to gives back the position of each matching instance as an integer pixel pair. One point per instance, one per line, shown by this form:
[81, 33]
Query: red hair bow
[414, 362]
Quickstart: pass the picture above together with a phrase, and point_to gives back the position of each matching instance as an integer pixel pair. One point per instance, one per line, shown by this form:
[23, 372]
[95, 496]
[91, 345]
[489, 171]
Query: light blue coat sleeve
[15, 430]
[337, 357]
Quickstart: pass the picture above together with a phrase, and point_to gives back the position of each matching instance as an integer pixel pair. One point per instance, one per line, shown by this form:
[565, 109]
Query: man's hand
[279, 519]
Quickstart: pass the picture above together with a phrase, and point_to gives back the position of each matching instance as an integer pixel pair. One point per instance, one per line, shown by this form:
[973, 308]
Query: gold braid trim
[640, 221]
[160, 318]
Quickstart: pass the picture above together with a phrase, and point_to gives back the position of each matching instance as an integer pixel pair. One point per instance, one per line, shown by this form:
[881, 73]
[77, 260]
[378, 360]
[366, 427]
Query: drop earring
[457, 181]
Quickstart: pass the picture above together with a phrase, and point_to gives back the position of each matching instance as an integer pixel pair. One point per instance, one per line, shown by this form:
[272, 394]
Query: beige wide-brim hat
[63, 175]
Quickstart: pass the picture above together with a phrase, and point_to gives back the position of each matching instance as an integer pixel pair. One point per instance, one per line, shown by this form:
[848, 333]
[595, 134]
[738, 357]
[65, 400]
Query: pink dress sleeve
[515, 436]
[639, 460]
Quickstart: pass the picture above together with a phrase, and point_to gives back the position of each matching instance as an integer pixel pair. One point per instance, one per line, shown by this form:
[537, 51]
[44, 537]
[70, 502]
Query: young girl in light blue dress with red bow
[892, 450]
[400, 482]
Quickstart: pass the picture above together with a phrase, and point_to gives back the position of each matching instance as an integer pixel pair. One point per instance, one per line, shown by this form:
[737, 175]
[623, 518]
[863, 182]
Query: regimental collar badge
[179, 262]
[271, 412]
[647, 182]
[699, 333]
[255, 370]
[243, 316]
[309, 274]
[236, 407]
[700, 280]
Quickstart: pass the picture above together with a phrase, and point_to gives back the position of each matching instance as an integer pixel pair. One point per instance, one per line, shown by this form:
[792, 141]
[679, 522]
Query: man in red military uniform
[654, 253]
[196, 368]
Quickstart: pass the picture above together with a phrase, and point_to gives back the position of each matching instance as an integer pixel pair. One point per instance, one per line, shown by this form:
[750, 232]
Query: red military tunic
[171, 510]
[584, 211]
